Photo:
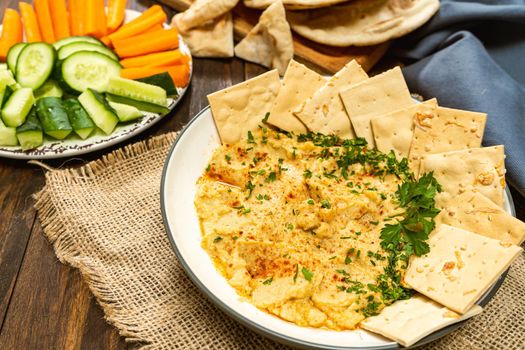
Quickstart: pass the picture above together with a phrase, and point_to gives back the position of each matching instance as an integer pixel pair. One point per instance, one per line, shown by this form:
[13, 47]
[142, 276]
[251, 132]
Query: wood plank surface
[43, 303]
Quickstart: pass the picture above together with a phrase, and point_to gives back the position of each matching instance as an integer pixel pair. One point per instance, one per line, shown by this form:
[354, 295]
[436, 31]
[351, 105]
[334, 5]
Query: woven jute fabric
[104, 219]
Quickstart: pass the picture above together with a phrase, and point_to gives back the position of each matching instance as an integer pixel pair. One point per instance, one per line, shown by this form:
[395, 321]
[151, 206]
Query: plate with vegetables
[85, 83]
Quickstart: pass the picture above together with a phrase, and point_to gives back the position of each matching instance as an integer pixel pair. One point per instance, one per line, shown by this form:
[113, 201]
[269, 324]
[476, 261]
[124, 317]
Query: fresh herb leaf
[325, 204]
[271, 177]
[250, 138]
[268, 281]
[217, 239]
[307, 173]
[307, 274]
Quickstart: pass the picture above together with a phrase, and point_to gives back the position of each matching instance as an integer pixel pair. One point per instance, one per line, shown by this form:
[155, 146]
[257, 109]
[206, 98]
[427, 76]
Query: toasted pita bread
[270, 42]
[479, 169]
[324, 111]
[460, 267]
[408, 321]
[292, 4]
[298, 84]
[211, 39]
[474, 212]
[362, 22]
[240, 108]
[202, 11]
[379, 95]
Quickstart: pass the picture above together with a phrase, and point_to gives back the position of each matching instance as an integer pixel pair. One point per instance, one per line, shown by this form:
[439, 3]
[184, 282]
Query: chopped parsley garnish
[289, 226]
[227, 157]
[262, 197]
[217, 239]
[250, 187]
[375, 223]
[383, 196]
[330, 175]
[271, 177]
[296, 273]
[268, 281]
[266, 116]
[208, 168]
[348, 260]
[345, 237]
[242, 210]
[250, 138]
[310, 201]
[307, 274]
[307, 173]
[325, 204]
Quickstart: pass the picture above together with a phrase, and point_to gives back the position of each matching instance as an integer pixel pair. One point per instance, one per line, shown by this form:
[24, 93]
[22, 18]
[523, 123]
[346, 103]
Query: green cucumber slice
[3, 66]
[142, 106]
[79, 119]
[67, 50]
[99, 110]
[35, 64]
[49, 89]
[53, 116]
[17, 107]
[75, 39]
[30, 134]
[7, 135]
[126, 113]
[12, 55]
[88, 70]
[162, 80]
[7, 78]
[5, 93]
[136, 90]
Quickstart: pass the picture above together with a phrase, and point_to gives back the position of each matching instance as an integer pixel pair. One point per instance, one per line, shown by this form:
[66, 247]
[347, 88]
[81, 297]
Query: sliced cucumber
[5, 93]
[126, 113]
[75, 39]
[3, 66]
[53, 116]
[17, 107]
[162, 80]
[79, 119]
[67, 50]
[7, 135]
[49, 89]
[30, 134]
[99, 110]
[138, 91]
[35, 64]
[142, 106]
[88, 70]
[7, 78]
[12, 55]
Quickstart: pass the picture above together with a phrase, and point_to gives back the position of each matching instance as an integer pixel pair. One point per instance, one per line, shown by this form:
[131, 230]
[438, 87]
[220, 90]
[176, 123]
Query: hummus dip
[293, 224]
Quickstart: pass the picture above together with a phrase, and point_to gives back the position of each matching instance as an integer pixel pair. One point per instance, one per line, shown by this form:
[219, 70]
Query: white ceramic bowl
[185, 164]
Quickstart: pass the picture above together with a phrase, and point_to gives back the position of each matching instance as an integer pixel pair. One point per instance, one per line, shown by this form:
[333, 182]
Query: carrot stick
[151, 17]
[167, 58]
[180, 75]
[95, 18]
[160, 40]
[30, 22]
[142, 72]
[108, 42]
[11, 32]
[60, 19]
[77, 13]
[116, 14]
[105, 40]
[44, 20]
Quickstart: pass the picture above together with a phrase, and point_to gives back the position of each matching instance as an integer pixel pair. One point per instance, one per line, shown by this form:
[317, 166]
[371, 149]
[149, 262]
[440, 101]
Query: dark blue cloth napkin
[471, 55]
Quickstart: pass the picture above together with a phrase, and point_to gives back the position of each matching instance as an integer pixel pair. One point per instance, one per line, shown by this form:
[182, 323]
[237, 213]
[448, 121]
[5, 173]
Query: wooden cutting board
[326, 58]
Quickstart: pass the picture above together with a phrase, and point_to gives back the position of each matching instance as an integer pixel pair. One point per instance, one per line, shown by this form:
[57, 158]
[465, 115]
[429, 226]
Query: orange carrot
[95, 18]
[60, 19]
[30, 23]
[160, 40]
[180, 75]
[77, 16]
[11, 32]
[154, 28]
[167, 58]
[116, 14]
[105, 40]
[151, 17]
[44, 20]
[142, 72]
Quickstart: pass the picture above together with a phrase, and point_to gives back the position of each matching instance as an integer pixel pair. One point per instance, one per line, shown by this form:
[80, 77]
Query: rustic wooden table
[44, 304]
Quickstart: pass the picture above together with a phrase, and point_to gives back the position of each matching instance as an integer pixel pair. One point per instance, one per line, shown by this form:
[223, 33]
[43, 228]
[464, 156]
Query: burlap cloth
[104, 219]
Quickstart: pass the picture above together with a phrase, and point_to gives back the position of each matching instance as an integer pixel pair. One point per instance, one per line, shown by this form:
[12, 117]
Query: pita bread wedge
[324, 111]
[270, 42]
[460, 267]
[292, 4]
[202, 11]
[408, 321]
[379, 95]
[479, 169]
[211, 39]
[474, 212]
[298, 84]
[240, 108]
[394, 131]
[362, 22]
[449, 130]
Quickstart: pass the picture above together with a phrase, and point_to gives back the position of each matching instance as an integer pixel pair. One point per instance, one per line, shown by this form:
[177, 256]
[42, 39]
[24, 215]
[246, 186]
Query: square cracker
[460, 267]
[408, 321]
[474, 212]
[481, 169]
[298, 84]
[449, 130]
[324, 111]
[394, 131]
[379, 95]
[240, 108]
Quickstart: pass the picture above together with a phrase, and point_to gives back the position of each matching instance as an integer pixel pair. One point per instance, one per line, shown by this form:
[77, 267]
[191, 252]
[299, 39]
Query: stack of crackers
[207, 26]
[475, 240]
